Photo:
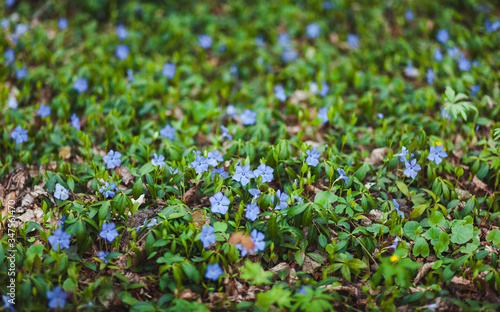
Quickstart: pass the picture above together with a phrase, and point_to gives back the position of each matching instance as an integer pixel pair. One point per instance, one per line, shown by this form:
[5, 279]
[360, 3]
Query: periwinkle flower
[265, 172]
[168, 132]
[283, 39]
[80, 85]
[112, 159]
[231, 111]
[158, 160]
[463, 63]
[395, 244]
[62, 23]
[436, 154]
[327, 5]
[109, 189]
[411, 168]
[282, 198]
[323, 114]
[474, 89]
[430, 75]
[313, 87]
[279, 92]
[57, 298]
[213, 271]
[445, 114]
[243, 174]
[403, 154]
[259, 41]
[438, 55]
[21, 29]
[254, 192]
[248, 117]
[122, 51]
[492, 27]
[9, 3]
[353, 41]
[225, 133]
[19, 134]
[453, 52]
[103, 256]
[75, 121]
[312, 157]
[410, 70]
[219, 203]
[313, 30]
[222, 173]
[7, 303]
[342, 175]
[409, 15]
[396, 205]
[108, 231]
[380, 116]
[169, 70]
[303, 290]
[258, 240]
[252, 212]
[61, 192]
[43, 111]
[21, 73]
[213, 158]
[289, 55]
[121, 32]
[4, 23]
[233, 70]
[199, 164]
[299, 199]
[130, 75]
[12, 102]
[442, 36]
[205, 41]
[59, 240]
[324, 89]
[9, 57]
[207, 235]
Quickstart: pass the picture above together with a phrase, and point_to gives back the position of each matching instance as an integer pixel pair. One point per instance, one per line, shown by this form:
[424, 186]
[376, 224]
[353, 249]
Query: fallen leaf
[244, 240]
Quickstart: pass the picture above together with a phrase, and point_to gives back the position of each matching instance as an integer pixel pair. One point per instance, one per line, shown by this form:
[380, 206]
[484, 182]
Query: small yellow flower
[440, 143]
[394, 258]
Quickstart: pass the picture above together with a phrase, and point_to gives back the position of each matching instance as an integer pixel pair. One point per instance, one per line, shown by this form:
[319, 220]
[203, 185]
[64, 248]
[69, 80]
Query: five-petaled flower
[252, 212]
[442, 36]
[204, 41]
[282, 198]
[112, 159]
[60, 192]
[19, 134]
[109, 189]
[103, 256]
[57, 297]
[213, 158]
[312, 157]
[411, 168]
[59, 239]
[121, 32]
[243, 174]
[62, 23]
[169, 70]
[43, 110]
[213, 271]
[222, 173]
[207, 235]
[323, 114]
[225, 133]
[199, 164]
[122, 51]
[108, 231]
[168, 132]
[158, 160]
[254, 192]
[403, 154]
[248, 117]
[75, 122]
[396, 205]
[265, 172]
[313, 30]
[342, 175]
[279, 92]
[80, 85]
[220, 203]
[436, 154]
[258, 240]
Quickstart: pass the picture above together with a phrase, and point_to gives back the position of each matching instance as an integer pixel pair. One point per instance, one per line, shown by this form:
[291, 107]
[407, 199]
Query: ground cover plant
[250, 156]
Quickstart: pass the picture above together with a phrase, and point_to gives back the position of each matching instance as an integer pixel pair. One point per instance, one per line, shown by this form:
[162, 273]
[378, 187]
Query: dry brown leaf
[377, 156]
[422, 272]
[245, 240]
[309, 265]
[65, 152]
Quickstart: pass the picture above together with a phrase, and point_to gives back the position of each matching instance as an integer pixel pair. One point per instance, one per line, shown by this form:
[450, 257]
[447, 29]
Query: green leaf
[494, 236]
[461, 234]
[254, 274]
[137, 189]
[325, 198]
[437, 219]
[417, 211]
[191, 272]
[322, 240]
[403, 188]
[412, 229]
[421, 248]
[146, 168]
[272, 227]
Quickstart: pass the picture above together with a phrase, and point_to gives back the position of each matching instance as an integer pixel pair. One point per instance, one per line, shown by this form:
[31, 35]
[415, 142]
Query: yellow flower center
[394, 258]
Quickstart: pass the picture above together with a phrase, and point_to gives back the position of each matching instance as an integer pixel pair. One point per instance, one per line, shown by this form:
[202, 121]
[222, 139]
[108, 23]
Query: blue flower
[430, 75]
[313, 30]
[252, 212]
[207, 235]
[9, 57]
[474, 89]
[233, 70]
[463, 63]
[396, 205]
[258, 240]
[122, 51]
[411, 168]
[323, 114]
[411, 71]
[453, 52]
[169, 70]
[225, 133]
[436, 153]
[243, 174]
[103, 256]
[199, 164]
[7, 303]
[168, 132]
[62, 23]
[9, 3]
[327, 5]
[59, 239]
[342, 175]
[158, 160]
[121, 32]
[213, 271]
[248, 117]
[283, 39]
[21, 73]
[303, 290]
[265, 172]
[254, 192]
[438, 55]
[324, 89]
[4, 23]
[130, 75]
[213, 158]
[445, 114]
[43, 110]
[60, 192]
[395, 244]
[151, 223]
[279, 93]
[80, 85]
[289, 55]
[57, 298]
[282, 198]
[61, 223]
[231, 111]
[12, 102]
[220, 203]
[259, 41]
[352, 41]
[75, 122]
[299, 199]
[313, 87]
[442, 36]
[21, 29]
[222, 173]
[112, 159]
[492, 27]
[403, 154]
[108, 231]
[108, 190]
[312, 157]
[409, 15]
[380, 116]
[20, 135]
[204, 41]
